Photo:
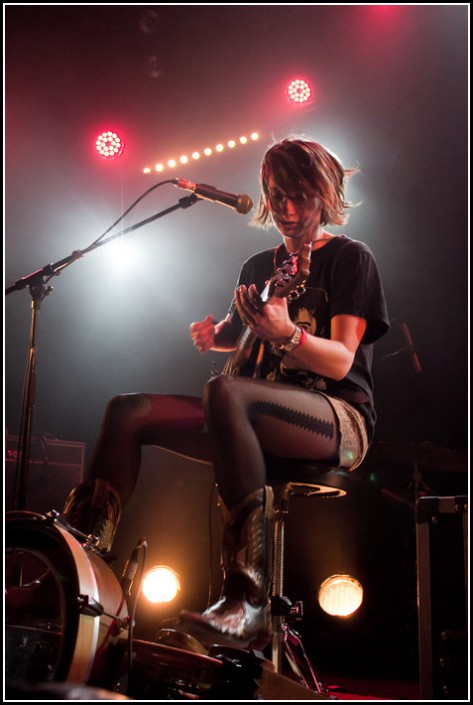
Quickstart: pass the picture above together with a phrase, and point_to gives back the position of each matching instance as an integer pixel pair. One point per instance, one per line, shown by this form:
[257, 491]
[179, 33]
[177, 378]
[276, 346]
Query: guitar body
[237, 361]
[288, 282]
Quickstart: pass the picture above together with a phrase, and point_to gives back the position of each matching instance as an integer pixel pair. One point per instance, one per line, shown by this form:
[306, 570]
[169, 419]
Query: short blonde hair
[300, 163]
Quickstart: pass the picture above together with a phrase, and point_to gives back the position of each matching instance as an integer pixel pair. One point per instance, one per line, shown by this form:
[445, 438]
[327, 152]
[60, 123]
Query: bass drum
[64, 607]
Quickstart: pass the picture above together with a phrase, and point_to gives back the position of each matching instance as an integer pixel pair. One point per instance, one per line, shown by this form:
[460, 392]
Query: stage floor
[371, 689]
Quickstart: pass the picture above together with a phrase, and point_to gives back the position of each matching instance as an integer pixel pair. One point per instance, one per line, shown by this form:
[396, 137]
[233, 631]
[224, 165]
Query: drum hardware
[240, 674]
[89, 541]
[51, 516]
[169, 673]
[164, 672]
[92, 608]
[299, 661]
[248, 675]
[292, 645]
[89, 606]
[180, 640]
[282, 606]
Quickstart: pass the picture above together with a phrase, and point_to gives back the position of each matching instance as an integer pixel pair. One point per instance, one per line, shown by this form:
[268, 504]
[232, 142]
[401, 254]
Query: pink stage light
[109, 145]
[298, 91]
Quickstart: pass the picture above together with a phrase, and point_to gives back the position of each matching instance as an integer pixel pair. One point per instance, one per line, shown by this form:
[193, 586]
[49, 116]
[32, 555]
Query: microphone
[241, 203]
[131, 567]
[410, 347]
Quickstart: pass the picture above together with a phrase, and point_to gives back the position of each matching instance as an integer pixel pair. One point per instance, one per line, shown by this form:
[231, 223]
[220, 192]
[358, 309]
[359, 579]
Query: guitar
[288, 282]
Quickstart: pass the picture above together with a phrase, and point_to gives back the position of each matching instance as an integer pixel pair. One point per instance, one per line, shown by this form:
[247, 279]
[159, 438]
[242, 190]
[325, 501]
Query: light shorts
[353, 434]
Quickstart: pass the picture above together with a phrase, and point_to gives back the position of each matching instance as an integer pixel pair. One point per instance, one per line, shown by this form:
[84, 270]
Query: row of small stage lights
[207, 152]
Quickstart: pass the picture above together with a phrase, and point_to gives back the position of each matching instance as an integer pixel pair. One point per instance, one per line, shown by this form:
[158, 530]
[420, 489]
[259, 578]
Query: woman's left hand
[270, 321]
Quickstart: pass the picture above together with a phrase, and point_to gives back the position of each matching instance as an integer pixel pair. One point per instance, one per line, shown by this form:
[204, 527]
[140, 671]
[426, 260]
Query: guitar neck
[288, 282]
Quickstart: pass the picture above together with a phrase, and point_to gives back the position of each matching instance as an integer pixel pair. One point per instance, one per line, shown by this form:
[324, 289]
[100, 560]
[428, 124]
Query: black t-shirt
[343, 279]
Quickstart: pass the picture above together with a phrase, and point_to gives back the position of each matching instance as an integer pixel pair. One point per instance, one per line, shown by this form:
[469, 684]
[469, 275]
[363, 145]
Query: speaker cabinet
[442, 555]
[174, 507]
[55, 468]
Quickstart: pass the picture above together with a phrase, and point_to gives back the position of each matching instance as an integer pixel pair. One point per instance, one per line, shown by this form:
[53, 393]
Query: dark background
[390, 87]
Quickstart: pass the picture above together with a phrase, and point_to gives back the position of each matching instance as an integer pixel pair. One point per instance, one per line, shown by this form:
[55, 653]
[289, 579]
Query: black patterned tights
[245, 419]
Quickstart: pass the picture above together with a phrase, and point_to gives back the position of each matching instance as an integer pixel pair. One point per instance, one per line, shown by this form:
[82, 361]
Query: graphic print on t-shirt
[311, 313]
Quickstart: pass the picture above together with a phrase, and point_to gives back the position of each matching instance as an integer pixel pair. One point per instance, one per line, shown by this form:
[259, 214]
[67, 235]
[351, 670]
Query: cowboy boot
[242, 616]
[93, 508]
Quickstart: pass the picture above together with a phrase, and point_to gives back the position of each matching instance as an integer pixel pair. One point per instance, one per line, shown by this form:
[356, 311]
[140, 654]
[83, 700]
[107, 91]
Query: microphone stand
[38, 292]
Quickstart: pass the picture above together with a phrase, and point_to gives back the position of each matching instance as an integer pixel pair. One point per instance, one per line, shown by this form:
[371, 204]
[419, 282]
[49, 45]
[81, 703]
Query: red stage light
[109, 145]
[298, 91]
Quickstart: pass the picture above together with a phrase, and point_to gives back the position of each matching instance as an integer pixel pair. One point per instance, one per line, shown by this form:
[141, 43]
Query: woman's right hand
[203, 334]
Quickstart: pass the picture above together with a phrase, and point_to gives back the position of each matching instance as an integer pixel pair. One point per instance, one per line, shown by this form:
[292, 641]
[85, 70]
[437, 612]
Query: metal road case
[442, 590]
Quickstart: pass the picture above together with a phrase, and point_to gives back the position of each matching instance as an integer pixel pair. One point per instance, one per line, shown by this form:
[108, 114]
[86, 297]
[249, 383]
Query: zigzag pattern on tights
[296, 418]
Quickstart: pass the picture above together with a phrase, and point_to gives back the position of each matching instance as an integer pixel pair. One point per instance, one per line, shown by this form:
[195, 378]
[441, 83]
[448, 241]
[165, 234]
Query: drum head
[40, 586]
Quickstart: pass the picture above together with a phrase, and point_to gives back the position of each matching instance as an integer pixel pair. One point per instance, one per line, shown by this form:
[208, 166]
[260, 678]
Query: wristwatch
[292, 343]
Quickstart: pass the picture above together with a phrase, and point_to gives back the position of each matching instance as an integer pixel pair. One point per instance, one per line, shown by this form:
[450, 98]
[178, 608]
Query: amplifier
[55, 468]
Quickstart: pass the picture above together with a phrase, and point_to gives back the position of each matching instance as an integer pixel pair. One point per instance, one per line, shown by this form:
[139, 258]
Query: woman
[302, 389]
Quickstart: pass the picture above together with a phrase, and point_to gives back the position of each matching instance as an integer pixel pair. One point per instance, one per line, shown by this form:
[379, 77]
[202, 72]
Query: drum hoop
[88, 625]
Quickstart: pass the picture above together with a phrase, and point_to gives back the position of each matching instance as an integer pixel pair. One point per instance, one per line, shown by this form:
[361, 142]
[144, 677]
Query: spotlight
[161, 584]
[122, 255]
[298, 91]
[109, 145]
[340, 595]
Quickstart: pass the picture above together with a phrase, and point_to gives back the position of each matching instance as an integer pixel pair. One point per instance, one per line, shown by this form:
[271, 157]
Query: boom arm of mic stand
[50, 270]
[38, 291]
